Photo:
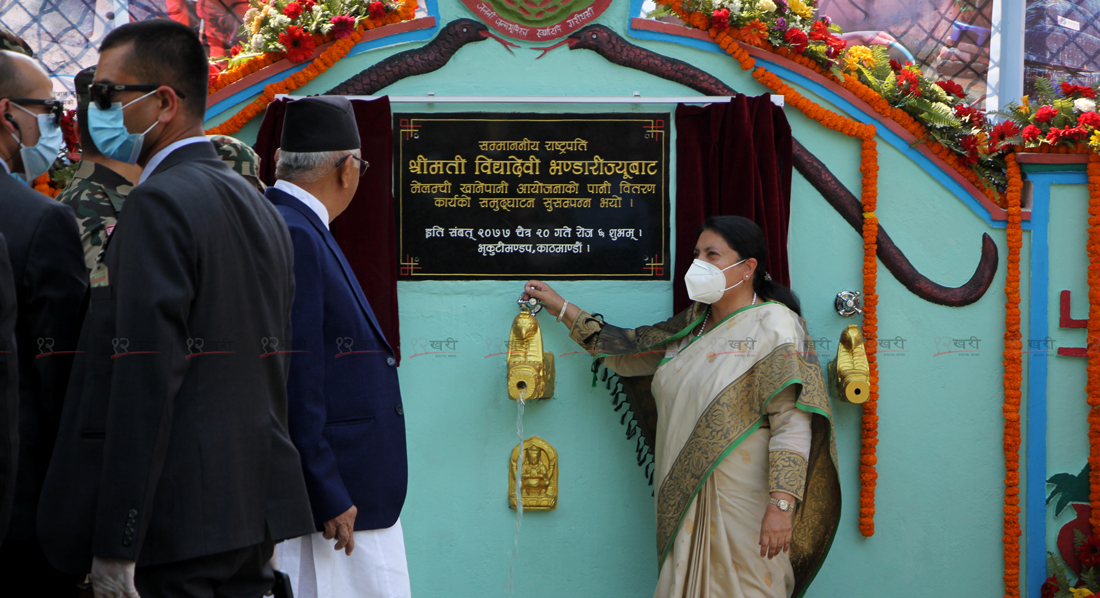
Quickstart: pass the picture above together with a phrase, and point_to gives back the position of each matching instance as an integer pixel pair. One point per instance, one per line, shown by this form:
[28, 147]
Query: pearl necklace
[704, 326]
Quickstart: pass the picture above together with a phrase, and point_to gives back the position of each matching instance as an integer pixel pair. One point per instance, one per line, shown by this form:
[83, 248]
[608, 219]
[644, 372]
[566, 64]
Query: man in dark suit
[173, 453]
[346, 416]
[9, 391]
[47, 265]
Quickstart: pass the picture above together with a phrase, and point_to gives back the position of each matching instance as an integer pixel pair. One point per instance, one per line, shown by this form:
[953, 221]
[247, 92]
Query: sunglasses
[100, 93]
[363, 164]
[56, 107]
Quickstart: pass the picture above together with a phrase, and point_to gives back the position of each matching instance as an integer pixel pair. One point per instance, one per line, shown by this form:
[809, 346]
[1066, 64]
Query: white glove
[113, 578]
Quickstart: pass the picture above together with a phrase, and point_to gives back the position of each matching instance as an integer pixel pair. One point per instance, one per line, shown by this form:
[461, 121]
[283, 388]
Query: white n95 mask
[706, 283]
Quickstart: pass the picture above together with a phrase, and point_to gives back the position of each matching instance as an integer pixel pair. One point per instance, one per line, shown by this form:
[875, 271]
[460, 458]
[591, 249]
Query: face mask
[38, 158]
[706, 283]
[109, 132]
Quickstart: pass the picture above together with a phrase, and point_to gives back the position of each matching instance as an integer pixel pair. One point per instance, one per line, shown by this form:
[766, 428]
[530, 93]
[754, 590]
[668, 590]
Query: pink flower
[342, 26]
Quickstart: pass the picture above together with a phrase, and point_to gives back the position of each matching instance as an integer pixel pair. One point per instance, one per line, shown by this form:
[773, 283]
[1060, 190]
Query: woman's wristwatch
[783, 505]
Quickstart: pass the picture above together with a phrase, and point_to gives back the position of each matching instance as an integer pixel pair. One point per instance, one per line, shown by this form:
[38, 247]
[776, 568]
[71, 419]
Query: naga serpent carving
[614, 48]
[425, 59]
[617, 50]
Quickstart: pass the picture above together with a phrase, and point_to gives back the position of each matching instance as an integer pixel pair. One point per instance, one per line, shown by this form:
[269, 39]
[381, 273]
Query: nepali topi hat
[319, 124]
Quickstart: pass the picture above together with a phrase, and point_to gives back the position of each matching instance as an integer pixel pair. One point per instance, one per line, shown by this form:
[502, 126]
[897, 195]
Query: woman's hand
[776, 529]
[548, 296]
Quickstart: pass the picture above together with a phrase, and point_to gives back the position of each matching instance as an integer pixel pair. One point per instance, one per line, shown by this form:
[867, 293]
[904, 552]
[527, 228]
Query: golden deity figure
[538, 486]
[850, 371]
[530, 370]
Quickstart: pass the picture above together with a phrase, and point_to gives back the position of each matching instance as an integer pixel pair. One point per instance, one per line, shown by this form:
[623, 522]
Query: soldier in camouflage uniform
[241, 158]
[13, 43]
[100, 184]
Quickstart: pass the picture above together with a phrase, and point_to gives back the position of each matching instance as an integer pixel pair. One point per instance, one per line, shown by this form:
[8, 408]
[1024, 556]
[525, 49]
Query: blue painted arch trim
[420, 35]
[844, 105]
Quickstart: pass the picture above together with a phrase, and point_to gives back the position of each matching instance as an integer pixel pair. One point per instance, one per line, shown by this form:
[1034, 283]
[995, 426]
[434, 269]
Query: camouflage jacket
[96, 194]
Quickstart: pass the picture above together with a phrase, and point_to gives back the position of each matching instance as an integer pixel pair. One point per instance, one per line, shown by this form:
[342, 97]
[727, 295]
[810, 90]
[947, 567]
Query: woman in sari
[747, 496]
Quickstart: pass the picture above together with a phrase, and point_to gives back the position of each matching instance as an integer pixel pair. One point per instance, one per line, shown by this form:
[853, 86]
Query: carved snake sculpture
[615, 49]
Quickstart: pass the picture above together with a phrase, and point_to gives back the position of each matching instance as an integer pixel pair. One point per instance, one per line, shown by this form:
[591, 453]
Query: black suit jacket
[9, 391]
[47, 265]
[173, 440]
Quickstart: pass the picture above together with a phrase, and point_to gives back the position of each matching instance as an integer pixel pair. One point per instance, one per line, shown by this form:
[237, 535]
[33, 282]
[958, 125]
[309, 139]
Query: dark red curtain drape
[732, 159]
[365, 231]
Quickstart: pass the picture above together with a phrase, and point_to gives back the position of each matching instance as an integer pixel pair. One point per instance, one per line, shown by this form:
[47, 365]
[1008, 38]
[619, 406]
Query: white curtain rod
[778, 100]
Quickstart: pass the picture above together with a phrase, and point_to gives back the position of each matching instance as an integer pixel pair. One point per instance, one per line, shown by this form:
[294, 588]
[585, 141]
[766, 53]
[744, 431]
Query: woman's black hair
[746, 238]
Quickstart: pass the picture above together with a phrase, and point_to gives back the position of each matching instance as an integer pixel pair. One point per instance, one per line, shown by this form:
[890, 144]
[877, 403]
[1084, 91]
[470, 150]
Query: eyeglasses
[56, 107]
[100, 93]
[363, 164]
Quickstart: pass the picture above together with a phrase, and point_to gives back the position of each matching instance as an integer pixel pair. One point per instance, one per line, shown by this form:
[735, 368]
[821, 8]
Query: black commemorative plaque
[532, 195]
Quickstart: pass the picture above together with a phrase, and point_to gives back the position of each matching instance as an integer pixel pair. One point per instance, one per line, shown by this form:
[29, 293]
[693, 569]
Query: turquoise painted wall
[941, 466]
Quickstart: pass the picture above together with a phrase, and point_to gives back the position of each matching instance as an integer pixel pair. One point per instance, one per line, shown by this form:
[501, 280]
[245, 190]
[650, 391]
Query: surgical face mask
[109, 132]
[706, 283]
[38, 158]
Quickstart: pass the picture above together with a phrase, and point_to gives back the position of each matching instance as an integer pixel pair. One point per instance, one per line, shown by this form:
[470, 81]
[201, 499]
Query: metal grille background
[1053, 49]
[923, 27]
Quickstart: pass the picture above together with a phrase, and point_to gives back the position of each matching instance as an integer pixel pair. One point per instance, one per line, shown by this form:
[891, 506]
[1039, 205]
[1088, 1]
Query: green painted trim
[663, 361]
[706, 477]
[1030, 168]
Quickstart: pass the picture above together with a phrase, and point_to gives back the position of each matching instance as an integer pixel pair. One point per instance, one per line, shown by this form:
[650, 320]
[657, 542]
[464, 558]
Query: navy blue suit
[346, 417]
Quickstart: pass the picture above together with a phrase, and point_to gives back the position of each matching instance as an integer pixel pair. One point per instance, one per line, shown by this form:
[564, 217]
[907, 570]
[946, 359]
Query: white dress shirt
[162, 154]
[305, 197]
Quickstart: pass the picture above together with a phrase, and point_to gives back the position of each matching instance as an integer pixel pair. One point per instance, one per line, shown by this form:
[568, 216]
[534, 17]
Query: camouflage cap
[13, 43]
[240, 157]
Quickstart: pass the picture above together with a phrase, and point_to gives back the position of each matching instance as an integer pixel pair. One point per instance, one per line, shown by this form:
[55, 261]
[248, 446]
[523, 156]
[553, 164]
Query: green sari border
[706, 476]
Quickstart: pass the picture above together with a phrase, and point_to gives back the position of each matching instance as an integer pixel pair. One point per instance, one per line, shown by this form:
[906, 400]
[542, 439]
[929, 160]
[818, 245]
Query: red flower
[969, 115]
[1001, 132]
[293, 10]
[797, 39]
[1074, 134]
[236, 50]
[1054, 135]
[377, 10]
[1089, 552]
[1031, 133]
[720, 19]
[1089, 119]
[970, 144]
[908, 82]
[1050, 588]
[213, 71]
[1045, 114]
[299, 44]
[819, 31]
[835, 43]
[952, 88]
[895, 65]
[307, 5]
[1085, 91]
[71, 134]
[342, 26]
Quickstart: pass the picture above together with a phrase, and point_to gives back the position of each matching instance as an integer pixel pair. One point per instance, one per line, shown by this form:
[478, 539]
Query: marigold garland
[1013, 377]
[43, 184]
[337, 51]
[333, 54]
[728, 41]
[1092, 386]
[868, 476]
